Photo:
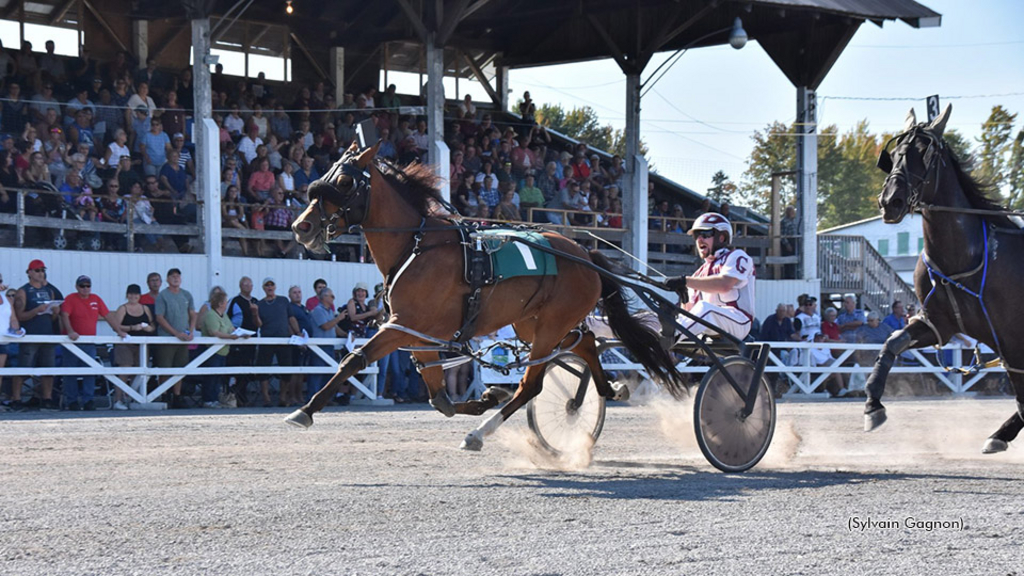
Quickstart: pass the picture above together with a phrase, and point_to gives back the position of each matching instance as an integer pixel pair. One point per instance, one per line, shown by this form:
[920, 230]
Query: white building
[900, 244]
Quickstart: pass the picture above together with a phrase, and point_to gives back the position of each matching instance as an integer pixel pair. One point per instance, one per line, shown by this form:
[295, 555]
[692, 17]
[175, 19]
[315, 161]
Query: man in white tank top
[721, 291]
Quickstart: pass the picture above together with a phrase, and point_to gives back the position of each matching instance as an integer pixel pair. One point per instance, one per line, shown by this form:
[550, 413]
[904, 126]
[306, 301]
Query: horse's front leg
[380, 345]
[1000, 441]
[917, 334]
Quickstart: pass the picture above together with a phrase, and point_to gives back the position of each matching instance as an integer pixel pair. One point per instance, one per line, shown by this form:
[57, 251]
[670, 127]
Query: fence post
[21, 218]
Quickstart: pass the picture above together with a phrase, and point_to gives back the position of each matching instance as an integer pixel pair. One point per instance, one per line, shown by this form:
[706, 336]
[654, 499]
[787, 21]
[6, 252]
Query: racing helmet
[713, 221]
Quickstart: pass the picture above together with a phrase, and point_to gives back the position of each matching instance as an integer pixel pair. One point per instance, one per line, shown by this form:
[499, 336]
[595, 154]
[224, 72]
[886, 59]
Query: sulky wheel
[731, 441]
[568, 414]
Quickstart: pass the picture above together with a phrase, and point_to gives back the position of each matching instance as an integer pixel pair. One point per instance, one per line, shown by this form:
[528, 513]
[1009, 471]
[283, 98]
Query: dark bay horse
[970, 274]
[416, 247]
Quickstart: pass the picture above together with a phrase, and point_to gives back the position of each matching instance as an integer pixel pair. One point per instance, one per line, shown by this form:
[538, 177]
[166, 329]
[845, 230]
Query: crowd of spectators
[849, 324]
[114, 139]
[167, 309]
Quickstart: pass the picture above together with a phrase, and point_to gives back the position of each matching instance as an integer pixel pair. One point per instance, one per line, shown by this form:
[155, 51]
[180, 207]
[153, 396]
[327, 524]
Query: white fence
[803, 377]
[137, 389]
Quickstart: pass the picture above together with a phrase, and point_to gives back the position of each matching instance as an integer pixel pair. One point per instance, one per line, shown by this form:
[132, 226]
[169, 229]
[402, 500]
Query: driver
[721, 291]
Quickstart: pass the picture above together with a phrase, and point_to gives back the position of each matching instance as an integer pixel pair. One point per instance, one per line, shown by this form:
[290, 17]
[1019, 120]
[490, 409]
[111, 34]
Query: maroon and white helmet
[713, 221]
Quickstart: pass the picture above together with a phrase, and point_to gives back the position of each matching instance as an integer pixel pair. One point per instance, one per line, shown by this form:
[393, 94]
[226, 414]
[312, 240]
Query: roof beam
[620, 58]
[309, 56]
[106, 26]
[169, 40]
[479, 73]
[462, 11]
[61, 12]
[414, 19]
[665, 35]
[16, 4]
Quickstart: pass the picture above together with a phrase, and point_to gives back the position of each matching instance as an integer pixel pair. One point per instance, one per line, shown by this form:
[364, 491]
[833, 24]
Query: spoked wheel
[729, 439]
[568, 413]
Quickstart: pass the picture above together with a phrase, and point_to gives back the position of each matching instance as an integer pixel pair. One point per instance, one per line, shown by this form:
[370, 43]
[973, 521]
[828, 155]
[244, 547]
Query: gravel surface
[386, 491]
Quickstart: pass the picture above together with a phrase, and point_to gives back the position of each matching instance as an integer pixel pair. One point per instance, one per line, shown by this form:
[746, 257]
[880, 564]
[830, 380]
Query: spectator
[506, 210]
[898, 319]
[294, 393]
[823, 357]
[276, 321]
[14, 111]
[850, 319]
[116, 150]
[51, 66]
[234, 123]
[360, 312]
[154, 147]
[141, 99]
[829, 327]
[810, 321]
[527, 109]
[148, 75]
[153, 283]
[79, 314]
[173, 115]
[244, 313]
[232, 213]
[184, 156]
[173, 177]
[306, 175]
[136, 320]
[279, 219]
[489, 194]
[281, 124]
[215, 323]
[874, 332]
[318, 285]
[140, 126]
[42, 102]
[175, 316]
[248, 144]
[325, 325]
[8, 325]
[778, 327]
[530, 196]
[112, 209]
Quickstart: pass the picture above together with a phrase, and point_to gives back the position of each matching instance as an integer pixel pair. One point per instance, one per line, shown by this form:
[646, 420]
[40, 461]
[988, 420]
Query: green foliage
[583, 124]
[722, 188]
[774, 151]
[994, 147]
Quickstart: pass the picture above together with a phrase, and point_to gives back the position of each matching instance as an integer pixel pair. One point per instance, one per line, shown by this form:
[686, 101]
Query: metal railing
[851, 264]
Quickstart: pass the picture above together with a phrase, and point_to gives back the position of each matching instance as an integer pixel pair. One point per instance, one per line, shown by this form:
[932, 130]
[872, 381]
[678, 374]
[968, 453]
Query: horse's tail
[642, 341]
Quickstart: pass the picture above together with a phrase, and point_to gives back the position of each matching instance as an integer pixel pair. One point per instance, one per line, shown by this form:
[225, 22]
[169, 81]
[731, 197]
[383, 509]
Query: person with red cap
[35, 305]
[79, 314]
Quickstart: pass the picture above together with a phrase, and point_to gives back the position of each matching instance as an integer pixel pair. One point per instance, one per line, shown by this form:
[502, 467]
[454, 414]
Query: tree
[994, 150]
[774, 151]
[583, 124]
[722, 188]
[848, 178]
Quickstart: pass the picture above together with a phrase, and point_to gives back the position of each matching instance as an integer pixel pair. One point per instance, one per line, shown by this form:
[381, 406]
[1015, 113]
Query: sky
[699, 118]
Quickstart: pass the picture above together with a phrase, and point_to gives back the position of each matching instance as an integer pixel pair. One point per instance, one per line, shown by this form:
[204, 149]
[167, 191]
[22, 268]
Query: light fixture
[738, 36]
[288, 9]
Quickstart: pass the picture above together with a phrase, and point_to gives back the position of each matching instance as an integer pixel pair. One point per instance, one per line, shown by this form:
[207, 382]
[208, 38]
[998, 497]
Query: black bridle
[353, 204]
[933, 156]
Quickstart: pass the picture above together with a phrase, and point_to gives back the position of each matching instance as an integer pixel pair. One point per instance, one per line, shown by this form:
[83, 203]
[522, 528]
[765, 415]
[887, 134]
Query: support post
[501, 85]
[435, 97]
[206, 137]
[140, 40]
[634, 197]
[338, 71]
[807, 179]
[776, 248]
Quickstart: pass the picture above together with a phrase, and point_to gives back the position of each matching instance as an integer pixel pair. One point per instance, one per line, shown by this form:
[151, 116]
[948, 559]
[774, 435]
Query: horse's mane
[980, 194]
[416, 183]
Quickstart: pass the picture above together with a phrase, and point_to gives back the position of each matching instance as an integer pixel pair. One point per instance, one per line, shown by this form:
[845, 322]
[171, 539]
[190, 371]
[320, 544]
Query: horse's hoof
[443, 404]
[993, 445]
[496, 394]
[473, 442]
[621, 392]
[299, 419]
[874, 419]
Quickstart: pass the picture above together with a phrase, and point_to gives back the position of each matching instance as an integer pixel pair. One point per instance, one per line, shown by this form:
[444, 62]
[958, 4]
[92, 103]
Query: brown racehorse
[394, 206]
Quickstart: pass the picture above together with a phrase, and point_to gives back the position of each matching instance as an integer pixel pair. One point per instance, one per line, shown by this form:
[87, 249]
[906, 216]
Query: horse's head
[913, 166]
[339, 199]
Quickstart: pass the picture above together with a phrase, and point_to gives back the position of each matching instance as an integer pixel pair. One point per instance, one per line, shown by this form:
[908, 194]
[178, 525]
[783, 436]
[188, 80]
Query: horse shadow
[674, 482]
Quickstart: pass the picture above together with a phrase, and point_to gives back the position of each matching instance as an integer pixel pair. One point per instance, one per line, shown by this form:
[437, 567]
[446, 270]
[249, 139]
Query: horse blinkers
[352, 205]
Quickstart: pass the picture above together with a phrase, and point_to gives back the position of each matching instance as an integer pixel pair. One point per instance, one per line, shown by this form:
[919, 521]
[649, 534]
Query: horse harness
[933, 157]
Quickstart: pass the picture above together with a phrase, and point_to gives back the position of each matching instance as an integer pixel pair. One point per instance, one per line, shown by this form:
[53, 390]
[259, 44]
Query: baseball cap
[268, 280]
[83, 279]
[35, 264]
[179, 135]
[361, 286]
[142, 109]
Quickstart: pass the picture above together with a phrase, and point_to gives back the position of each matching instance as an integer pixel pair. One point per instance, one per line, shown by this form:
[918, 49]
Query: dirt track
[388, 492]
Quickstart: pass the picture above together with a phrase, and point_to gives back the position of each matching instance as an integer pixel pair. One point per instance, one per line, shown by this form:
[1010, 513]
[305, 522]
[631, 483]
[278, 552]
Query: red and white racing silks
[732, 311]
